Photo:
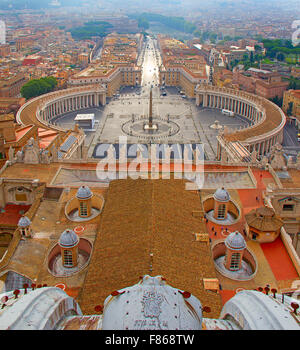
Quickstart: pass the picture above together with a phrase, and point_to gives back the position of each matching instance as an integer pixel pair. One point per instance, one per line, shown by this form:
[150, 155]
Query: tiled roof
[12, 213]
[264, 219]
[272, 121]
[148, 227]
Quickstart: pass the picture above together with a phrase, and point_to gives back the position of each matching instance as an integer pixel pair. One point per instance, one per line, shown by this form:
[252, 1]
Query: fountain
[216, 125]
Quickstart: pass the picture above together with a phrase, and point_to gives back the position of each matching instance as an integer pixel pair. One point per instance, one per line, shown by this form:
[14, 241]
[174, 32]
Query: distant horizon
[192, 4]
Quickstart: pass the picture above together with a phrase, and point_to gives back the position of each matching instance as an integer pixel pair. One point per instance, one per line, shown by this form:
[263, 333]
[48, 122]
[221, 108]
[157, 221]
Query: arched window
[83, 209]
[235, 261]
[68, 259]
[221, 211]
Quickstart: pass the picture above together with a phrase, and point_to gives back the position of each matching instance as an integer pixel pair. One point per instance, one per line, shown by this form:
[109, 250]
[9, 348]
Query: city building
[182, 66]
[261, 82]
[117, 65]
[4, 50]
[32, 60]
[92, 248]
[11, 86]
[291, 104]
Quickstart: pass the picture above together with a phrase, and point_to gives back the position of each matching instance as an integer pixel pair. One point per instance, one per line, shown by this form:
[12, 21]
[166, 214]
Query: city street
[290, 144]
[192, 124]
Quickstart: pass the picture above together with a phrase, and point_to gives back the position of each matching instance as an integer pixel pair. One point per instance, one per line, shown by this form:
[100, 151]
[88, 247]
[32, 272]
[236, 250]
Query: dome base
[229, 220]
[243, 274]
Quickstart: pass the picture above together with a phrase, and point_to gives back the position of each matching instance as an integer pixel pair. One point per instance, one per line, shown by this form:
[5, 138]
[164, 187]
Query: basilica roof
[148, 228]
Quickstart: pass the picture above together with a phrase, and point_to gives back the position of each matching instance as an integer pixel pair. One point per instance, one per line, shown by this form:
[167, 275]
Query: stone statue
[264, 161]
[54, 157]
[11, 152]
[31, 152]
[20, 156]
[45, 159]
[277, 159]
[290, 162]
[254, 156]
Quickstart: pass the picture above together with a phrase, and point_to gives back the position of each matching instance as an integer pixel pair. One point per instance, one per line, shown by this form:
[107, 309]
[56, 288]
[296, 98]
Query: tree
[245, 57]
[257, 48]
[280, 56]
[289, 111]
[197, 33]
[37, 87]
[143, 23]
[294, 83]
[213, 37]
[277, 100]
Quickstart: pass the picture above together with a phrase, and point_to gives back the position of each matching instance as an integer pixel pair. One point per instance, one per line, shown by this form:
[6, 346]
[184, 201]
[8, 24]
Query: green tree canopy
[90, 29]
[178, 23]
[37, 87]
[294, 83]
[143, 23]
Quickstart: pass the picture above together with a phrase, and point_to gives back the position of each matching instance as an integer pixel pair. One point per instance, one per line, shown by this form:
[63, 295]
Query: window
[235, 261]
[83, 209]
[221, 211]
[288, 207]
[68, 260]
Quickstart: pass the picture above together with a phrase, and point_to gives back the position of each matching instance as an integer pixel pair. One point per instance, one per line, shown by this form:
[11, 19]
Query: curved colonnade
[267, 119]
[43, 109]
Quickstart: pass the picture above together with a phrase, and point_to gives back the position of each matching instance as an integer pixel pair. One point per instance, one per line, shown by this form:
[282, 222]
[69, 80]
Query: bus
[229, 113]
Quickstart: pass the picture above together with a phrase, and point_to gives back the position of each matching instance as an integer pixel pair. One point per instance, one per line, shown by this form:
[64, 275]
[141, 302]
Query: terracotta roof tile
[144, 217]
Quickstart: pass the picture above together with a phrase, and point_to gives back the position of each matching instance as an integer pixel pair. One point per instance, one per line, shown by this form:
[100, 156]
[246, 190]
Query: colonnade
[241, 107]
[249, 106]
[70, 102]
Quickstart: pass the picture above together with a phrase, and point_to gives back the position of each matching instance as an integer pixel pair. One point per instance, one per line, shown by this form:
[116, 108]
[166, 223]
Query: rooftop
[153, 229]
[11, 214]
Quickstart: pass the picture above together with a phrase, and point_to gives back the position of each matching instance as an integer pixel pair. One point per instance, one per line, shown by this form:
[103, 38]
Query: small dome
[84, 192]
[221, 195]
[235, 241]
[68, 239]
[24, 222]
